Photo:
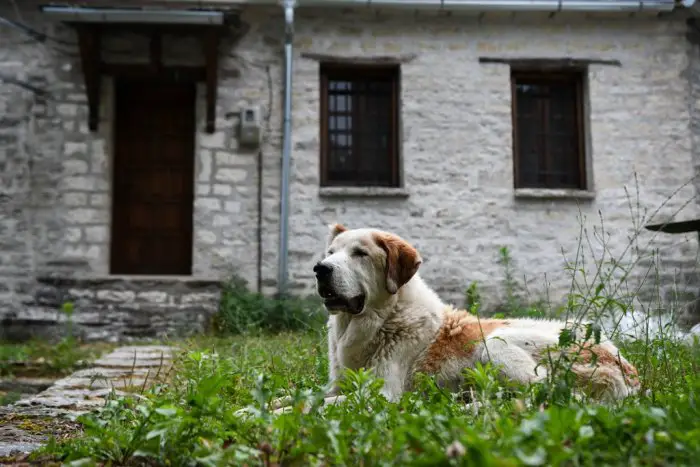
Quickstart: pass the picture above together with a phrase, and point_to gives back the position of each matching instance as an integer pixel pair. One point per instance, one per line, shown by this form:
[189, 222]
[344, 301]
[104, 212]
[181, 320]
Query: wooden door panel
[153, 178]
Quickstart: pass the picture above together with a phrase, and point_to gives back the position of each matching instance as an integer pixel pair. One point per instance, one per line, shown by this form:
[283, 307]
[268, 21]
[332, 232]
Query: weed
[43, 358]
[39, 358]
[242, 311]
[510, 285]
[9, 398]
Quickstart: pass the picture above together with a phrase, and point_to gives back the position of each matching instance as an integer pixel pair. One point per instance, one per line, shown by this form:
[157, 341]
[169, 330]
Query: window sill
[546, 193]
[362, 192]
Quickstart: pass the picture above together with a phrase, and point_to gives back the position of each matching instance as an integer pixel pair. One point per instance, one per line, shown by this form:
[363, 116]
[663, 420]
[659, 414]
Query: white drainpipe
[282, 268]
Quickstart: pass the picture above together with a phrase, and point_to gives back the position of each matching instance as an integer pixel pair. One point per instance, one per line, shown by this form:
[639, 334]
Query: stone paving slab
[8, 446]
[86, 389]
[129, 367]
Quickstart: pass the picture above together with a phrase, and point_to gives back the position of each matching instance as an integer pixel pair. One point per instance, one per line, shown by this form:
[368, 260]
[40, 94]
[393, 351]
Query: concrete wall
[456, 150]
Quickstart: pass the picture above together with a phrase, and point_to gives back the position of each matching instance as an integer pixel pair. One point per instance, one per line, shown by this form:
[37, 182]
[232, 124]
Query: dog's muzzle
[353, 305]
[331, 299]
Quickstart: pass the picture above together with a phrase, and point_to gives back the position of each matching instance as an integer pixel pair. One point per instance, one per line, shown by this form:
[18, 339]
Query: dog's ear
[402, 260]
[334, 230]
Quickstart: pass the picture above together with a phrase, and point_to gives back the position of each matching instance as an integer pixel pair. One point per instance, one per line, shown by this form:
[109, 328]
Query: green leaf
[566, 337]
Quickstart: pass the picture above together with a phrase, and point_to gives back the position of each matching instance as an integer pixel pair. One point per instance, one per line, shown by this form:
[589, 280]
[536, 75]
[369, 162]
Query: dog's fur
[385, 318]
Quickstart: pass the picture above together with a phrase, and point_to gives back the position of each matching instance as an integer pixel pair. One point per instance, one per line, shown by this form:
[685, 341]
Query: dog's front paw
[327, 400]
[334, 399]
[281, 402]
[279, 405]
[289, 408]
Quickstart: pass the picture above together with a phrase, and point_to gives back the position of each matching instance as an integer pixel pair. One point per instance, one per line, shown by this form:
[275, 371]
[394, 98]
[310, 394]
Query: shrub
[242, 311]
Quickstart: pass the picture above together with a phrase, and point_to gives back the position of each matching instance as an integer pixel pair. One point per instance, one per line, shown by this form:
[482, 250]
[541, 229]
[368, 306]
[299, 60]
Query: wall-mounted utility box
[249, 127]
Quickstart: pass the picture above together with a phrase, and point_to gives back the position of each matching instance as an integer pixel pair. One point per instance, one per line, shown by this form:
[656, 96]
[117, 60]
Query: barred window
[359, 125]
[548, 131]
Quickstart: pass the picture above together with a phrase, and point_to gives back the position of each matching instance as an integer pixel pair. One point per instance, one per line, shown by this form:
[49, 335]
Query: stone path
[126, 369]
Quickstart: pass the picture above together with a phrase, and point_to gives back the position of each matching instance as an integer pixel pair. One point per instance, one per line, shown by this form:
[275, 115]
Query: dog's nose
[322, 270]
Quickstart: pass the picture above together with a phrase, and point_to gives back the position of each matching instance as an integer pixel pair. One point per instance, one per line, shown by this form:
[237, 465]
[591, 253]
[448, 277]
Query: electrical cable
[24, 84]
[34, 34]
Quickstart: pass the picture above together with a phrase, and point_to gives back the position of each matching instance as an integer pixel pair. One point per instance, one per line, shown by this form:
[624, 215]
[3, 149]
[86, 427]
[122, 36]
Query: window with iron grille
[359, 125]
[548, 130]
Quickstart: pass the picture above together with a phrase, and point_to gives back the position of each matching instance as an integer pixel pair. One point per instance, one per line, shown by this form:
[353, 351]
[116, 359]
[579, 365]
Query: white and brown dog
[385, 318]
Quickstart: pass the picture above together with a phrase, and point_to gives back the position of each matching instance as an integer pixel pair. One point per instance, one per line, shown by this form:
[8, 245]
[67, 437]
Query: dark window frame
[574, 78]
[359, 73]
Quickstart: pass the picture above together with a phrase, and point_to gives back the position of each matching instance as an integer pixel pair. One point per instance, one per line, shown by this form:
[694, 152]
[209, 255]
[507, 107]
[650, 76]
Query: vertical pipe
[260, 220]
[286, 147]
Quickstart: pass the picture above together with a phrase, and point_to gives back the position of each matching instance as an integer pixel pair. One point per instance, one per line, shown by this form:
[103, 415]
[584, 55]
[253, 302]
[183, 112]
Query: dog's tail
[606, 375]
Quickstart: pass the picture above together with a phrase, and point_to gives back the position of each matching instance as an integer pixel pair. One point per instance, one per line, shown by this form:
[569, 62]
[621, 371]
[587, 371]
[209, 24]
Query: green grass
[192, 421]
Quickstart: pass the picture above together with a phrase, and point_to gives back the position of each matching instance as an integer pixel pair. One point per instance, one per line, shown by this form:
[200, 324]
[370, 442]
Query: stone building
[132, 180]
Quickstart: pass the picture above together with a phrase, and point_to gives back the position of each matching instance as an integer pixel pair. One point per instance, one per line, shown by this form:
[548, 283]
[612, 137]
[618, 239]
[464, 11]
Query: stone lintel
[535, 63]
[328, 59]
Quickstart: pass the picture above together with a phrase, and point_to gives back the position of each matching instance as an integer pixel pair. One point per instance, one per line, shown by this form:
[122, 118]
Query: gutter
[552, 6]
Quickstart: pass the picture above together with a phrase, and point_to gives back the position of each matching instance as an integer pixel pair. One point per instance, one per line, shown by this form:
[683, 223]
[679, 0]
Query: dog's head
[363, 266]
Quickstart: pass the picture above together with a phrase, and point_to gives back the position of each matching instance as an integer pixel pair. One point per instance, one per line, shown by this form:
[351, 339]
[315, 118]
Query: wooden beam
[89, 38]
[179, 74]
[89, 44]
[148, 28]
[691, 225]
[211, 55]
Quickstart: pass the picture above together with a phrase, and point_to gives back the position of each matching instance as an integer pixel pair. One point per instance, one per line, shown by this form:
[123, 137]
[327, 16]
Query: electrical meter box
[249, 127]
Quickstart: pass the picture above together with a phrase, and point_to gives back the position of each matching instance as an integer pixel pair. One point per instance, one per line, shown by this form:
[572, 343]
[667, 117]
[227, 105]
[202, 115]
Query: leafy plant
[193, 420]
[242, 311]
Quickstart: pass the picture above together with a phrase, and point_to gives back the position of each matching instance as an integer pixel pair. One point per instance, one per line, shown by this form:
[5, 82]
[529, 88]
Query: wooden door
[153, 190]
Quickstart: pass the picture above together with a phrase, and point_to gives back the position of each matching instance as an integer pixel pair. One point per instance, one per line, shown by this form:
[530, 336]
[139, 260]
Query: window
[548, 135]
[359, 125]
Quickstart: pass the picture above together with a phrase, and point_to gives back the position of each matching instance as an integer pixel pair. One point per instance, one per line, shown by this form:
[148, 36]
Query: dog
[384, 317]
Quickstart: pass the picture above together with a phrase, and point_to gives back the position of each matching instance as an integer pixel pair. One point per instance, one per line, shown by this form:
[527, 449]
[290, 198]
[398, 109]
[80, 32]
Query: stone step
[115, 308]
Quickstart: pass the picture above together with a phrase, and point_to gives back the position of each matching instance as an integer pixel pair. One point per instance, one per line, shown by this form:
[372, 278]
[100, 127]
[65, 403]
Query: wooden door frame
[90, 47]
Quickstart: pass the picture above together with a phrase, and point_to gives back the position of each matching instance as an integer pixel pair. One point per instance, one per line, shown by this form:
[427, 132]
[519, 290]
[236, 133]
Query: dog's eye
[329, 252]
[359, 253]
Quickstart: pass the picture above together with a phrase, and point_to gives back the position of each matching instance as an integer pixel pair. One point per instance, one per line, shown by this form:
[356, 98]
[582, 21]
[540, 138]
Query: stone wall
[30, 143]
[457, 205]
[457, 148]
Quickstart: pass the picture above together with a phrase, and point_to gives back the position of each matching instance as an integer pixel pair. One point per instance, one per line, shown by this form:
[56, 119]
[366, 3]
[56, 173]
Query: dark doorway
[153, 185]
